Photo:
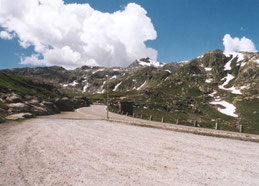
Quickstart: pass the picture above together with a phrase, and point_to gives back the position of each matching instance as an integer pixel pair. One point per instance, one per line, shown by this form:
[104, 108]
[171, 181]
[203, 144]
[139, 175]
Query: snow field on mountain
[229, 109]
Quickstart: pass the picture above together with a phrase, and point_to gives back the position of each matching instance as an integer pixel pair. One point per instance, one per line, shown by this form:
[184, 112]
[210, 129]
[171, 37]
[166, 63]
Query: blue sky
[185, 28]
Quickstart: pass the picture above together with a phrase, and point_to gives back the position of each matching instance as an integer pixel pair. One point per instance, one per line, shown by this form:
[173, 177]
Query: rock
[64, 104]
[13, 98]
[34, 101]
[19, 116]
[80, 102]
[44, 108]
[37, 110]
[53, 109]
[18, 107]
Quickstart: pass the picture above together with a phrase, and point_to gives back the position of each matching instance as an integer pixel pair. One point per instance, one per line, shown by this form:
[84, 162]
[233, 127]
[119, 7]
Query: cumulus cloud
[236, 44]
[6, 35]
[72, 35]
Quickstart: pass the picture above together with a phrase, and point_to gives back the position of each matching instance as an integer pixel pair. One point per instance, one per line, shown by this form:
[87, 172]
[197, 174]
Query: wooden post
[216, 126]
[141, 116]
[126, 113]
[150, 118]
[107, 114]
[177, 121]
[241, 129]
[195, 123]
[162, 120]
[133, 115]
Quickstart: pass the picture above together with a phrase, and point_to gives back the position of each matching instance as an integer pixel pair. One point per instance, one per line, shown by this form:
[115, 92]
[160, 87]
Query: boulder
[13, 98]
[44, 108]
[80, 102]
[19, 116]
[37, 110]
[64, 104]
[52, 108]
[18, 107]
[34, 101]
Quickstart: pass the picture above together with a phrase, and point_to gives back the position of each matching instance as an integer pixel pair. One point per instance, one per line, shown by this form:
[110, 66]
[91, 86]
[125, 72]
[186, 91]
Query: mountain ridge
[213, 86]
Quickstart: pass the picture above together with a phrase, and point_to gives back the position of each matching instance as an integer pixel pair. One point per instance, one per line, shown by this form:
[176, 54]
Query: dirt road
[58, 150]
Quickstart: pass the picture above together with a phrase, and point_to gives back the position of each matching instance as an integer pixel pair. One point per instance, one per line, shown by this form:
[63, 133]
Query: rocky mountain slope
[214, 87]
[140, 74]
[21, 98]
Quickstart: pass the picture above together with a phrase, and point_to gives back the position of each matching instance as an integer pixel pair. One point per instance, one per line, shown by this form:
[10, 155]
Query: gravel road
[81, 149]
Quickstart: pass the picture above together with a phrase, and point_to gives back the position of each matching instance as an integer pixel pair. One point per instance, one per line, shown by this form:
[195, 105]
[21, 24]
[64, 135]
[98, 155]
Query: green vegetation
[249, 110]
[180, 91]
[23, 87]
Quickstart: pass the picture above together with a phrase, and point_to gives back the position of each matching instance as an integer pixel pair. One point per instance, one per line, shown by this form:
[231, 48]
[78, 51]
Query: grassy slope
[23, 87]
[172, 100]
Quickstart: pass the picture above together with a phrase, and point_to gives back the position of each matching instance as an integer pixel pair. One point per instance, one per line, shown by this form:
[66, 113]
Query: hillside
[214, 87]
[93, 80]
[23, 97]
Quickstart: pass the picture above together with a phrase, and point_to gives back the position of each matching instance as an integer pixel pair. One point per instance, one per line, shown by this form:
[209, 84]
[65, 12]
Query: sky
[72, 33]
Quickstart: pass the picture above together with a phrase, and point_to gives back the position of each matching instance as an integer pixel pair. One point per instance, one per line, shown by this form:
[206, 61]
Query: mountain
[214, 87]
[93, 80]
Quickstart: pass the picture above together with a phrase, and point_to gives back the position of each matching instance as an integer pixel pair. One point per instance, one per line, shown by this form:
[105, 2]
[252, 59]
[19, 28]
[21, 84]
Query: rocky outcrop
[64, 104]
[18, 107]
[19, 116]
[12, 98]
[15, 107]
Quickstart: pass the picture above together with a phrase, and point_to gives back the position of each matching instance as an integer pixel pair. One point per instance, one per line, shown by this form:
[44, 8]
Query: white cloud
[72, 35]
[6, 35]
[236, 44]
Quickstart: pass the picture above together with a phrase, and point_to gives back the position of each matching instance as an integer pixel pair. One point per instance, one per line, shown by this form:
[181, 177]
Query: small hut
[126, 107]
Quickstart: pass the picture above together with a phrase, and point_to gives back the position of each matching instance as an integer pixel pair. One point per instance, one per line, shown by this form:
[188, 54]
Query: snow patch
[113, 77]
[208, 69]
[208, 80]
[244, 87]
[73, 84]
[213, 93]
[240, 57]
[227, 65]
[184, 61]
[102, 69]
[117, 86]
[141, 86]
[168, 71]
[232, 89]
[257, 61]
[229, 109]
[235, 91]
[85, 87]
[235, 54]
[201, 56]
[102, 89]
[228, 79]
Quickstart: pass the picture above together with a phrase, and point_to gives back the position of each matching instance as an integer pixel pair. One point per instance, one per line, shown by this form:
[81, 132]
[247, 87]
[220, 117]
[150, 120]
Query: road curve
[80, 148]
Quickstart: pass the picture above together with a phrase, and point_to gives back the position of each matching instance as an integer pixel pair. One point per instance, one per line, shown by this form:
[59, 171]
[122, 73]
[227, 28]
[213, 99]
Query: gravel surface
[58, 150]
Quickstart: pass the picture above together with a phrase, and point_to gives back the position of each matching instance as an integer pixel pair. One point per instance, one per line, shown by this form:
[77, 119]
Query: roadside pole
[107, 102]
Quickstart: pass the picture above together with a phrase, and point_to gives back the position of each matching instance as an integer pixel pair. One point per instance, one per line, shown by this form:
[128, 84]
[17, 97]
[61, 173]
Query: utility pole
[107, 102]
